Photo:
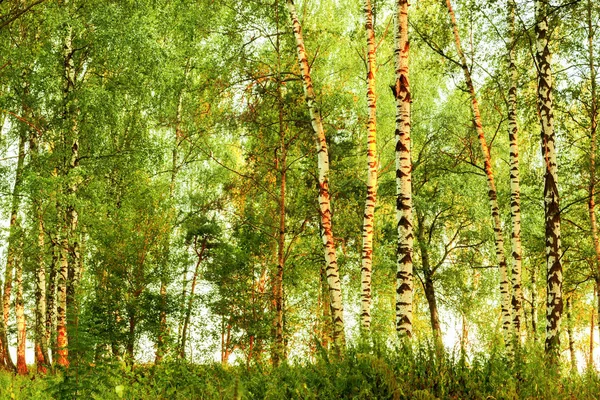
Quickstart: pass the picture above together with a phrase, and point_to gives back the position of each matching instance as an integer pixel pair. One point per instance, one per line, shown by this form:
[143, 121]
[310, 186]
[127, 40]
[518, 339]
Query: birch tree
[12, 256]
[331, 268]
[369, 214]
[554, 298]
[492, 192]
[404, 218]
[515, 191]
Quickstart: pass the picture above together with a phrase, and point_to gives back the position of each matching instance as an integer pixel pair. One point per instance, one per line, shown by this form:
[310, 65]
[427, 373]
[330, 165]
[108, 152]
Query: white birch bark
[369, 214]
[554, 298]
[331, 268]
[515, 191]
[492, 192]
[404, 217]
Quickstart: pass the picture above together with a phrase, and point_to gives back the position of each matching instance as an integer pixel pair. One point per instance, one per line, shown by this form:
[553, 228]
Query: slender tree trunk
[163, 328]
[433, 310]
[132, 320]
[492, 192]
[593, 110]
[464, 336]
[325, 329]
[182, 304]
[570, 335]
[69, 246]
[188, 311]
[534, 310]
[404, 218]
[428, 286]
[279, 352]
[333, 276]
[41, 345]
[2, 360]
[20, 315]
[554, 298]
[369, 214]
[12, 259]
[591, 357]
[515, 191]
[51, 311]
[62, 342]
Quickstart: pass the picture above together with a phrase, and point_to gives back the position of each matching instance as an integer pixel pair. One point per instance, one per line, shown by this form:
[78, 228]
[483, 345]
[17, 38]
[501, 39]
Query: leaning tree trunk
[515, 191]
[554, 298]
[492, 193]
[369, 215]
[404, 218]
[331, 269]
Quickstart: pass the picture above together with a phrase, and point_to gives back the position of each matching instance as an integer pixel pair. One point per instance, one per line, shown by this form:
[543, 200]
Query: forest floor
[360, 375]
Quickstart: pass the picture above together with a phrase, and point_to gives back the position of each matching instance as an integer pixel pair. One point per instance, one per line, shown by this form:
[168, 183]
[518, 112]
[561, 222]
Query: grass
[366, 372]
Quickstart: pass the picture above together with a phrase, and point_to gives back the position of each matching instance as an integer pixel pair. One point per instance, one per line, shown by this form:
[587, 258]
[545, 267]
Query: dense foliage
[164, 213]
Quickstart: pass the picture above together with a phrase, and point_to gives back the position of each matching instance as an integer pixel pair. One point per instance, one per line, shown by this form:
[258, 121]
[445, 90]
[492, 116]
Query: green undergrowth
[363, 373]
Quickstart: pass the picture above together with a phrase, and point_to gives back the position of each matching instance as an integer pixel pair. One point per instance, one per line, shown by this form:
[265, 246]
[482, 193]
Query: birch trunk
[333, 276]
[20, 313]
[554, 298]
[534, 310]
[324, 311]
[492, 192]
[593, 110]
[68, 245]
[279, 352]
[591, 355]
[62, 341]
[570, 335]
[12, 259]
[369, 214]
[41, 345]
[51, 297]
[515, 191]
[404, 218]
